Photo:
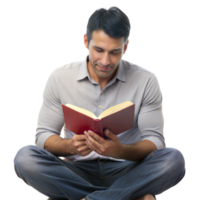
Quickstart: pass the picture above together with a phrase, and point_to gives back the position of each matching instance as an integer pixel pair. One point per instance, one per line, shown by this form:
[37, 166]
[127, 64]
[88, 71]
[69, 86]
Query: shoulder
[133, 68]
[72, 65]
[133, 71]
[68, 70]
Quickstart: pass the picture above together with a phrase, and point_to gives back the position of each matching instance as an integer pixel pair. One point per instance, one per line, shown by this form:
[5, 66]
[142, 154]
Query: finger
[79, 144]
[94, 145]
[88, 145]
[79, 137]
[85, 153]
[85, 145]
[110, 135]
[96, 137]
[83, 148]
[87, 148]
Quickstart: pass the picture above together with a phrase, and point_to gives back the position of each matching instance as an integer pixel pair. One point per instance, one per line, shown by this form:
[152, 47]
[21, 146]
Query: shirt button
[102, 92]
[100, 106]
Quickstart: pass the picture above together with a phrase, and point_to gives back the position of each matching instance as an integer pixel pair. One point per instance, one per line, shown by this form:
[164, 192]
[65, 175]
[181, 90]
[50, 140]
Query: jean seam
[152, 191]
[109, 176]
[60, 161]
[52, 157]
[168, 183]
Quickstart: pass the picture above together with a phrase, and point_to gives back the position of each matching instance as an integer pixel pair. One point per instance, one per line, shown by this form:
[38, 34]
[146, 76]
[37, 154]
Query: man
[132, 165]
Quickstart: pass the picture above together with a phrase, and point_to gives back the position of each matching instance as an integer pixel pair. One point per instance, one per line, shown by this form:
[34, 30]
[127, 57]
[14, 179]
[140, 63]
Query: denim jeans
[99, 179]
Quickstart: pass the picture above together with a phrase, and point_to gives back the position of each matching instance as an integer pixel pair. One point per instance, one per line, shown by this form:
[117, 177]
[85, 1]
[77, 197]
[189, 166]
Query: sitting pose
[132, 165]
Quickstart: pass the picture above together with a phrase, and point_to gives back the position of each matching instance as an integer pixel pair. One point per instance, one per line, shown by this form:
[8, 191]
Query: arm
[137, 151]
[50, 121]
[59, 146]
[150, 124]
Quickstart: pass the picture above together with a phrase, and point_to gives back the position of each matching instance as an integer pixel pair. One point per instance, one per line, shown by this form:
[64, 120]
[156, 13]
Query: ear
[86, 41]
[126, 47]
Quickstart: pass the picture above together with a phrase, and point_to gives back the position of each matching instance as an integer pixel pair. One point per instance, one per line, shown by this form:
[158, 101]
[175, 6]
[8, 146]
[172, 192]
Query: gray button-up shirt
[72, 84]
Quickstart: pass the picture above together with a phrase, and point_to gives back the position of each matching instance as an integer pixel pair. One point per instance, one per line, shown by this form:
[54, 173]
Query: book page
[114, 109]
[82, 110]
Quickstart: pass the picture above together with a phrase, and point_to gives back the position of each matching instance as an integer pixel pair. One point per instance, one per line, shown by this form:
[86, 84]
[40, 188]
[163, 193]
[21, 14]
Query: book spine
[97, 127]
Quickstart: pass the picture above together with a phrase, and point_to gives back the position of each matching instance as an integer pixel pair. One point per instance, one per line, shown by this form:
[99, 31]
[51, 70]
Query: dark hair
[112, 21]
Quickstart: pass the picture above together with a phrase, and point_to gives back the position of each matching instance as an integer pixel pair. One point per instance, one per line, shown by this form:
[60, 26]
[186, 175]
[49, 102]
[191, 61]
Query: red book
[117, 119]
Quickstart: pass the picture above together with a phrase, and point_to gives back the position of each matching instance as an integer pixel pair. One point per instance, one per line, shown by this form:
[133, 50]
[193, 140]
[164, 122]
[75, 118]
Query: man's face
[105, 53]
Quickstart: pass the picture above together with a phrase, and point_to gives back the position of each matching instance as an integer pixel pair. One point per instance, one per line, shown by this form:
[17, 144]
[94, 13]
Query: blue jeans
[99, 179]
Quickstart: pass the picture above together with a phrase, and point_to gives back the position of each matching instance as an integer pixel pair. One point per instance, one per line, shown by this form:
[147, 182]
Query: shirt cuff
[41, 139]
[160, 143]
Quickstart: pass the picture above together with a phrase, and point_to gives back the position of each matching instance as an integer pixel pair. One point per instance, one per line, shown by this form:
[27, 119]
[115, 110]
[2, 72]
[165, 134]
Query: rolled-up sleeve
[50, 120]
[150, 118]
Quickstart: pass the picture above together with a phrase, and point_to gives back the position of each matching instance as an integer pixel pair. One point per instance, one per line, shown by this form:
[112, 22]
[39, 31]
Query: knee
[175, 161]
[23, 161]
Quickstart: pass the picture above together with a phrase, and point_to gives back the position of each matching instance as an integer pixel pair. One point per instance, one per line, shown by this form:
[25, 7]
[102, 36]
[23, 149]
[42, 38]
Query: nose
[105, 59]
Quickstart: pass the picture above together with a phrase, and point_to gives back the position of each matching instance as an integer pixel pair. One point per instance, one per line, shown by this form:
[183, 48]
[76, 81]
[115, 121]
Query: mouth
[103, 68]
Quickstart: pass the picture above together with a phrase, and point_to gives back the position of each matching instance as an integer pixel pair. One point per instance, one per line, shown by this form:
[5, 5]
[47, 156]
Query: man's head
[112, 21]
[107, 40]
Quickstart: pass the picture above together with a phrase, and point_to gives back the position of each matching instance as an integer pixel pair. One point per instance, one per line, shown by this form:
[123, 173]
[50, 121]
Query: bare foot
[146, 197]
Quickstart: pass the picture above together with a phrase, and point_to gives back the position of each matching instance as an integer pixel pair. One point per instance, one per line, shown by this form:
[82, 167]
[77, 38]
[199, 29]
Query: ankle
[146, 197]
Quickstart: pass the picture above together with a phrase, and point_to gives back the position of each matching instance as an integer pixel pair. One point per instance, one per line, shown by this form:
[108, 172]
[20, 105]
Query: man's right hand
[79, 146]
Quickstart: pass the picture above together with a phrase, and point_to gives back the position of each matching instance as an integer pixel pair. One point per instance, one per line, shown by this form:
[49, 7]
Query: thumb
[109, 134]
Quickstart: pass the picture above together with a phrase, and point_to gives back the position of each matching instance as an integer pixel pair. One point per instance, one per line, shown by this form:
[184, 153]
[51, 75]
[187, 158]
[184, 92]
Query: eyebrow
[111, 50]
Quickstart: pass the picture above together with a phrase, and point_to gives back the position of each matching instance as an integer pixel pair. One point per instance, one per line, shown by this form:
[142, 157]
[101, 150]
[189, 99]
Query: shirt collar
[83, 72]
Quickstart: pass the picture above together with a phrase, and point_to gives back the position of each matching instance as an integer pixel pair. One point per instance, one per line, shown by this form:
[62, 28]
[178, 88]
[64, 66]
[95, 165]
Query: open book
[117, 119]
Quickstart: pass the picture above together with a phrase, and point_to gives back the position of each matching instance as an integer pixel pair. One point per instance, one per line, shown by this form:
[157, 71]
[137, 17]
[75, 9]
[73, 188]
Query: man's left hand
[110, 147]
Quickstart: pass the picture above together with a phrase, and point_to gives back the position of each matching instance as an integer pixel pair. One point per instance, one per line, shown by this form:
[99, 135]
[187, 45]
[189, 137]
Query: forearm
[59, 146]
[137, 151]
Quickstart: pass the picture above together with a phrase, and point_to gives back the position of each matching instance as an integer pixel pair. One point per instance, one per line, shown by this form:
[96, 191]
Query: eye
[115, 53]
[112, 52]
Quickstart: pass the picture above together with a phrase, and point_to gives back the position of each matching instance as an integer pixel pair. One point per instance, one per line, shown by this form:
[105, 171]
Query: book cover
[116, 122]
